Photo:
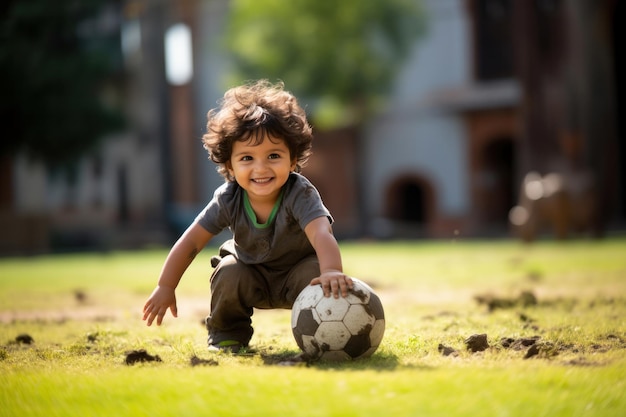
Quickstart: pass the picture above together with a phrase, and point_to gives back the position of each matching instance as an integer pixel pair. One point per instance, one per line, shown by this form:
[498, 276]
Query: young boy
[282, 237]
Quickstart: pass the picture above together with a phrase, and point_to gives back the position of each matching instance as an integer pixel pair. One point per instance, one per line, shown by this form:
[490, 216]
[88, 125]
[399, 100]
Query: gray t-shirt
[279, 243]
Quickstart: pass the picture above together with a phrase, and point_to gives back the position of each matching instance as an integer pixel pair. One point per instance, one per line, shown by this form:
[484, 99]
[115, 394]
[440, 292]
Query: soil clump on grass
[493, 302]
[24, 339]
[196, 361]
[140, 355]
[447, 350]
[477, 343]
[519, 344]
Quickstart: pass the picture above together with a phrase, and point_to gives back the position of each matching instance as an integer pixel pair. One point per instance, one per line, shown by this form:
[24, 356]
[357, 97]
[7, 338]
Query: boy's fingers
[334, 287]
[147, 311]
[343, 286]
[152, 312]
[326, 290]
[154, 315]
[159, 315]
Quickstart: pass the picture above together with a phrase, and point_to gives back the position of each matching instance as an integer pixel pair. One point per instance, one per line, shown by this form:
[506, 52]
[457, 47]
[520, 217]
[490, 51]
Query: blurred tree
[340, 55]
[56, 58]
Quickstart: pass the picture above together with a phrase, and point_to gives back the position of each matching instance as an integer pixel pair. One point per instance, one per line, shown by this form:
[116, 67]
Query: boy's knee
[233, 276]
[300, 277]
[228, 266]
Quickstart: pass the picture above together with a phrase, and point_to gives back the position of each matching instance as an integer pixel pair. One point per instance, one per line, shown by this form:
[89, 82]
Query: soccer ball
[337, 329]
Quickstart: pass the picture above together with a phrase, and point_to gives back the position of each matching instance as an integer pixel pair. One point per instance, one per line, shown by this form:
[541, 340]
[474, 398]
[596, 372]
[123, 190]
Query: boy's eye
[274, 156]
[246, 158]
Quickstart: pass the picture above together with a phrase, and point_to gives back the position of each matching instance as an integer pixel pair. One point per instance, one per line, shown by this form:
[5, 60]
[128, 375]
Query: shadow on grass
[379, 361]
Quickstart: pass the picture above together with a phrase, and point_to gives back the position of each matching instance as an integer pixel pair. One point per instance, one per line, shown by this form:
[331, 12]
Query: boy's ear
[294, 163]
[229, 167]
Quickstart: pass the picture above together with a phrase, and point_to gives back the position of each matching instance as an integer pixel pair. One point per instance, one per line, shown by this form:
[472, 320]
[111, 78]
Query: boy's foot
[231, 346]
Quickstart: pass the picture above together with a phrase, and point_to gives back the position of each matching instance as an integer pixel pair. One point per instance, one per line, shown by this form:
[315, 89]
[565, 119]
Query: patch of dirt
[196, 361]
[532, 351]
[518, 344]
[542, 349]
[286, 359]
[533, 346]
[81, 313]
[493, 302]
[141, 355]
[447, 350]
[582, 362]
[102, 313]
[477, 343]
[25, 339]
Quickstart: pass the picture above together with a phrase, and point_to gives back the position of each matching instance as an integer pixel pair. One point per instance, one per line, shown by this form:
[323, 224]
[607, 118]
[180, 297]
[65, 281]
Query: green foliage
[340, 54]
[55, 60]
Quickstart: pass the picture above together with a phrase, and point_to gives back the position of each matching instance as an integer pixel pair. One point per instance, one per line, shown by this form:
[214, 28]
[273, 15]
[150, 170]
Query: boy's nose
[260, 165]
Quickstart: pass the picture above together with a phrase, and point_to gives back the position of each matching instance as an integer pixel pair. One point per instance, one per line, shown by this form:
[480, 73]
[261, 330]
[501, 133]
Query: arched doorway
[409, 205]
[498, 181]
[411, 202]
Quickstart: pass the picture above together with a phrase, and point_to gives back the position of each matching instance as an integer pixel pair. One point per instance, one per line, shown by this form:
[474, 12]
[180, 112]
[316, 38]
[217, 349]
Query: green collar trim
[252, 215]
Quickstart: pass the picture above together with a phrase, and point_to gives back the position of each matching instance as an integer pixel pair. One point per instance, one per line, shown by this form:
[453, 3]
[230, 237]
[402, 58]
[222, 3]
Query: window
[493, 37]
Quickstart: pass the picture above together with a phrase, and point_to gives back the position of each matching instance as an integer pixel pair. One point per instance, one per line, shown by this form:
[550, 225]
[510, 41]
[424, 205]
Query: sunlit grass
[76, 365]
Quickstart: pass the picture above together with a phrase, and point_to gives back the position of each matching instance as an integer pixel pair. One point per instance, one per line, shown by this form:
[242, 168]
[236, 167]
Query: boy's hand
[161, 299]
[335, 283]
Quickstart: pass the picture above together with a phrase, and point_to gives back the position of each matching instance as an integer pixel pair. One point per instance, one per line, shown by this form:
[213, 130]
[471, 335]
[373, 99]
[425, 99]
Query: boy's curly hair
[249, 113]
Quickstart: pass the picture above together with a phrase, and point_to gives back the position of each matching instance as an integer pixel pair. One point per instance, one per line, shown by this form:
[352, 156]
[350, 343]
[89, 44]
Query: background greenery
[60, 63]
[341, 56]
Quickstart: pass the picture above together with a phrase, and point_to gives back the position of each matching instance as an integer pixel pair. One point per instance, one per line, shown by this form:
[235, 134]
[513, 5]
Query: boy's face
[261, 169]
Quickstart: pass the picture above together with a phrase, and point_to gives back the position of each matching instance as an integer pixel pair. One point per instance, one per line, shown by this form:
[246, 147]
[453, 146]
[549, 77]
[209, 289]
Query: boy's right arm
[180, 257]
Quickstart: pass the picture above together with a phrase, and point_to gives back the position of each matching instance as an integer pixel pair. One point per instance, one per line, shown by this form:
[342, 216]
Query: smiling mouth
[262, 180]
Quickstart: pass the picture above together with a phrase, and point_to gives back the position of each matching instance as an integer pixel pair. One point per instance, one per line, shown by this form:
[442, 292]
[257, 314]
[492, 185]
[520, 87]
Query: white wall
[415, 136]
[440, 58]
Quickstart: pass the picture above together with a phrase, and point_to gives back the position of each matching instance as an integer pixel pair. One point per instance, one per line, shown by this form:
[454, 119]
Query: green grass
[76, 365]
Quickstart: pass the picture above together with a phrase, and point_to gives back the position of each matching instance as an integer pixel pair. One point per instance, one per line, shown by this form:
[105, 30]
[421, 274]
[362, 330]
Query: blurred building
[495, 89]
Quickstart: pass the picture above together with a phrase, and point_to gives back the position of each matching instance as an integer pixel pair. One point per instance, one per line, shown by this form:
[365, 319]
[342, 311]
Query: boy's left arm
[333, 280]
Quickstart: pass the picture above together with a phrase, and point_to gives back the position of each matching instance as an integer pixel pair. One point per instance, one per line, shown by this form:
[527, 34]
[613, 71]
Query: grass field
[83, 314]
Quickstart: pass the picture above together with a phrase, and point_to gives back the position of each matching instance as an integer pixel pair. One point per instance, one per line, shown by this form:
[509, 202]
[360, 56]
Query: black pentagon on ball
[375, 307]
[357, 345]
[306, 325]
